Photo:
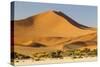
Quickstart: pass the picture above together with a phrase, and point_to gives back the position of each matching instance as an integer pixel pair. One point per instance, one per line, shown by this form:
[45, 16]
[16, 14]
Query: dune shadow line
[73, 22]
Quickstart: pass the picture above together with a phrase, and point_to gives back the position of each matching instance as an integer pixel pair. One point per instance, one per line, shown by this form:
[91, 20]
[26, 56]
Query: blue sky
[86, 15]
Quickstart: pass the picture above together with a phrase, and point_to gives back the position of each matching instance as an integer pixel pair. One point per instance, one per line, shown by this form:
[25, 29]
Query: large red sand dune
[54, 30]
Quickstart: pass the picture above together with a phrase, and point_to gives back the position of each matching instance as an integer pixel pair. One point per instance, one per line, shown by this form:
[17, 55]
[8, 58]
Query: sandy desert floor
[52, 61]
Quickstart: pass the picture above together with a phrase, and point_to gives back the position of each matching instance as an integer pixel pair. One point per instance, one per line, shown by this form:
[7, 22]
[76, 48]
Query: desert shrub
[75, 53]
[57, 54]
[69, 53]
[40, 56]
[85, 50]
[17, 61]
[93, 53]
[15, 55]
[78, 53]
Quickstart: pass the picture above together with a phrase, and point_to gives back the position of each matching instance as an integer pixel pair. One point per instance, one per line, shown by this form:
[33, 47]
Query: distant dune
[52, 30]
